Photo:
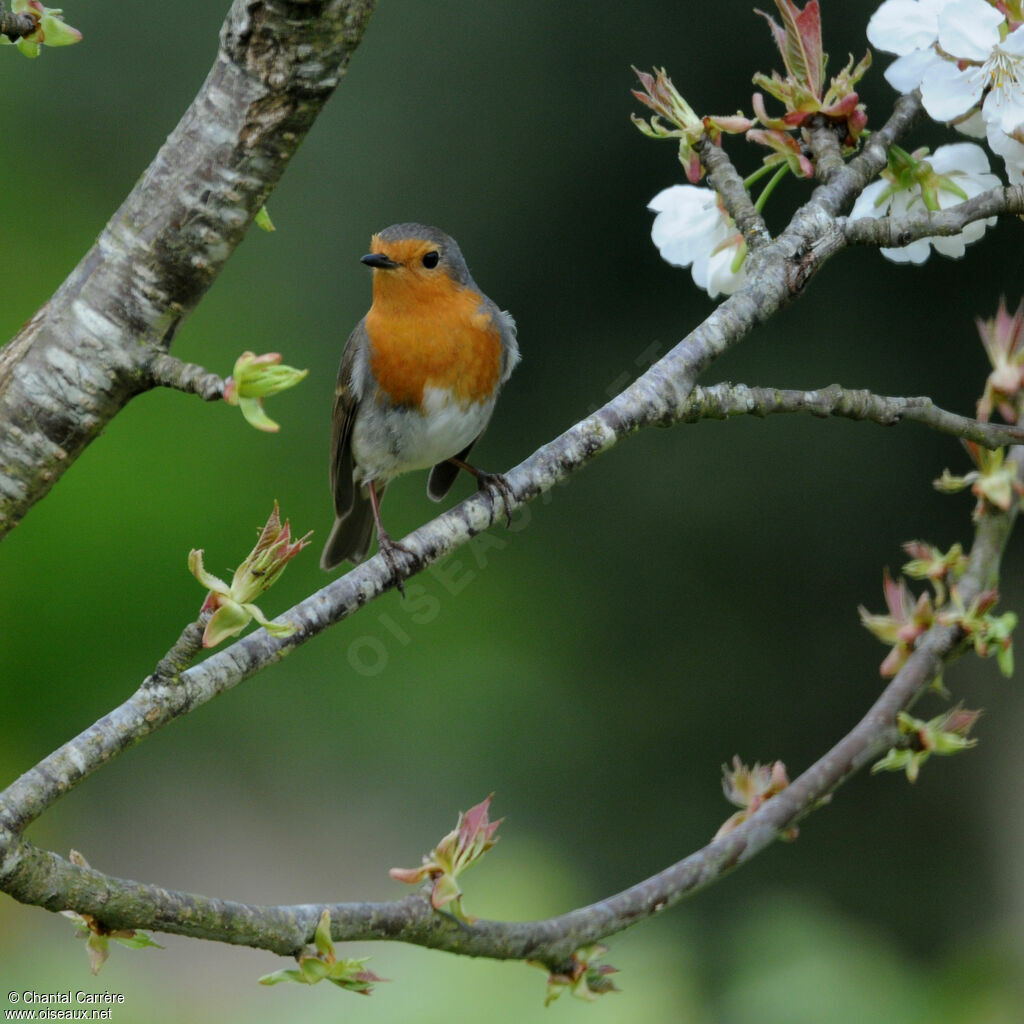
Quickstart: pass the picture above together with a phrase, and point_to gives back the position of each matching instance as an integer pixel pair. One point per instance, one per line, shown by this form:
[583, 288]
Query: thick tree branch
[89, 349]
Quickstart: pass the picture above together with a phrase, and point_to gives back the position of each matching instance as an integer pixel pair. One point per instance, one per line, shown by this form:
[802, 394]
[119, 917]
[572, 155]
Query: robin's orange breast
[433, 338]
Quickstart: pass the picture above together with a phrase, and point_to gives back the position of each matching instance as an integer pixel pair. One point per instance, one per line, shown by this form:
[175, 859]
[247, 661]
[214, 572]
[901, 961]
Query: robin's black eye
[431, 259]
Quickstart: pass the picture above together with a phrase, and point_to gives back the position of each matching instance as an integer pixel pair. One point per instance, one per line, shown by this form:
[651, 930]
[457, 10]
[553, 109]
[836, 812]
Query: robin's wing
[510, 345]
[343, 416]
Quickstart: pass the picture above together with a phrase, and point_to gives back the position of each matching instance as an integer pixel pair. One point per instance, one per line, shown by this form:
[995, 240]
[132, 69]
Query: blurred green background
[690, 596]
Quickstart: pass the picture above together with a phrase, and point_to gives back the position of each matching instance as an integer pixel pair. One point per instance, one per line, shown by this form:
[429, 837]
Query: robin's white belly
[390, 440]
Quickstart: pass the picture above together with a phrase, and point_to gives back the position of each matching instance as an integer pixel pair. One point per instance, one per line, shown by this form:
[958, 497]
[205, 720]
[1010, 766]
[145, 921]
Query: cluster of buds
[749, 788]
[946, 734]
[802, 89]
[907, 620]
[34, 25]
[988, 634]
[1003, 338]
[471, 838]
[994, 483]
[322, 964]
[255, 378]
[97, 936]
[674, 118]
[582, 978]
[233, 605]
[940, 568]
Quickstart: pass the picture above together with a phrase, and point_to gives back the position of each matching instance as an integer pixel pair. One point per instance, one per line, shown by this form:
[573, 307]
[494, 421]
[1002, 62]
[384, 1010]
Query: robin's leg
[387, 546]
[485, 480]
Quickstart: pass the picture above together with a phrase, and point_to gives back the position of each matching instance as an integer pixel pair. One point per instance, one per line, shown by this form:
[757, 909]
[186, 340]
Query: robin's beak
[378, 261]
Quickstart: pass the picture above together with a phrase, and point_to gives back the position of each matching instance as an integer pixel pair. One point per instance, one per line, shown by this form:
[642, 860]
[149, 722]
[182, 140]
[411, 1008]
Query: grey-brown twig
[894, 232]
[14, 26]
[723, 400]
[170, 372]
[726, 181]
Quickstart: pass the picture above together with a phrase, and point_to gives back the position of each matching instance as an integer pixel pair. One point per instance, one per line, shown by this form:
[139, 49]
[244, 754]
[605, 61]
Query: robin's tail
[351, 536]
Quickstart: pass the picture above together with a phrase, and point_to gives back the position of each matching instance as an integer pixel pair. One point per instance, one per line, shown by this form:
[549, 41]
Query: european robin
[417, 384]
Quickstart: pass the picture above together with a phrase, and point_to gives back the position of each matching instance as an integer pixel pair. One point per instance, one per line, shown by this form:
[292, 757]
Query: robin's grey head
[419, 249]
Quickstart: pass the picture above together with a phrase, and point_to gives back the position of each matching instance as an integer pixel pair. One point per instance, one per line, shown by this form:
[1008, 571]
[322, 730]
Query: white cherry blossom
[692, 228]
[951, 170]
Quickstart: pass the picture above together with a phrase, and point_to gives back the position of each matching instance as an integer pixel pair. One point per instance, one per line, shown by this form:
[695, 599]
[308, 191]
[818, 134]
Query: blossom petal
[973, 125]
[947, 92]
[902, 26]
[906, 72]
[1005, 106]
[969, 29]
[953, 246]
[721, 278]
[965, 157]
[867, 204]
[1011, 151]
[1014, 42]
[687, 216]
[916, 253]
[692, 229]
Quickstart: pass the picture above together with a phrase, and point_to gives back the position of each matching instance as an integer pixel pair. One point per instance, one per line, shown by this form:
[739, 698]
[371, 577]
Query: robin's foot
[389, 549]
[493, 480]
[490, 480]
[498, 483]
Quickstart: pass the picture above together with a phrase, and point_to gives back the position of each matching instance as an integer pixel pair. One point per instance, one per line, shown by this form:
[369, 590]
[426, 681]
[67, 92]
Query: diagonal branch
[88, 350]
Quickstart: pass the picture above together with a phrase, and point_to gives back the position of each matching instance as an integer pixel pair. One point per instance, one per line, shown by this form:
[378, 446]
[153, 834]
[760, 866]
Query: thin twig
[723, 400]
[726, 181]
[182, 653]
[824, 144]
[15, 26]
[895, 232]
[170, 372]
